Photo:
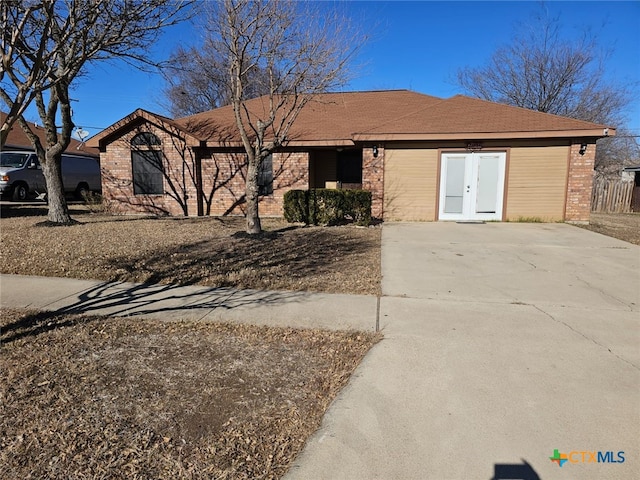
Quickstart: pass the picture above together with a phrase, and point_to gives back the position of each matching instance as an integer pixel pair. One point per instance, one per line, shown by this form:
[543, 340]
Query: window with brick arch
[146, 164]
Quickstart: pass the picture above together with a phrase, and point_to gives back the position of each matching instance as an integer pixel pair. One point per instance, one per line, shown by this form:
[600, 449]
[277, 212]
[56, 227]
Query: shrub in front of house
[296, 206]
[327, 206]
[358, 206]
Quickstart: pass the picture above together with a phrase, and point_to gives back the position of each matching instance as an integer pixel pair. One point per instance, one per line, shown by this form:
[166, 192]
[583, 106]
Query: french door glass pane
[488, 174]
[455, 185]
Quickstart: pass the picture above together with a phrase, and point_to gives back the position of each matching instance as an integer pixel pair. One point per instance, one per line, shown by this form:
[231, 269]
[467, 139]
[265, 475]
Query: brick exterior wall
[579, 183]
[290, 172]
[222, 182]
[224, 186]
[373, 179]
[222, 176]
[179, 184]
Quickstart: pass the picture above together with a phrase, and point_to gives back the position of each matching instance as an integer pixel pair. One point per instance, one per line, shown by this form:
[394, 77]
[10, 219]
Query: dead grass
[623, 226]
[96, 398]
[84, 397]
[188, 251]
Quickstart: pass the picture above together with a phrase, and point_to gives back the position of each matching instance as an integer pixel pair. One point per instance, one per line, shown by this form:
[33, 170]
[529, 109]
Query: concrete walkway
[503, 343]
[169, 302]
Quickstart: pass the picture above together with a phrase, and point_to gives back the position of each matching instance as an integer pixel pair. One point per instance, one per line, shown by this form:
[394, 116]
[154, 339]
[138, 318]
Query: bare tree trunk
[4, 133]
[252, 198]
[298, 59]
[58, 208]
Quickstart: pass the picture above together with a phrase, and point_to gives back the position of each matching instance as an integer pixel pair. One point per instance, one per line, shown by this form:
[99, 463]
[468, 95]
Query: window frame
[265, 176]
[147, 165]
[146, 139]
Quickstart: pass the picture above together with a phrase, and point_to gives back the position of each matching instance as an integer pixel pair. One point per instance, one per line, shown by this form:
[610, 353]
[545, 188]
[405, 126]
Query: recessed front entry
[472, 186]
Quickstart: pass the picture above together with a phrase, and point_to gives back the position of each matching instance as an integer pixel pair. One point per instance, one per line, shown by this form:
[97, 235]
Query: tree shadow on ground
[117, 299]
[33, 324]
[269, 260]
[35, 208]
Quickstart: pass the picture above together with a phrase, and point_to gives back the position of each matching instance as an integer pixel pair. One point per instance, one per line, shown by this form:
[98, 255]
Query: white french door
[472, 186]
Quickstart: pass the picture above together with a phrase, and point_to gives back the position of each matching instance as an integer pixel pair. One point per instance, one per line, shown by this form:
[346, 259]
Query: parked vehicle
[21, 175]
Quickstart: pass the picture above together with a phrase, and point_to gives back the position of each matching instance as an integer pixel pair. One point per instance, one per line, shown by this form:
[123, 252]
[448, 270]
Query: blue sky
[417, 45]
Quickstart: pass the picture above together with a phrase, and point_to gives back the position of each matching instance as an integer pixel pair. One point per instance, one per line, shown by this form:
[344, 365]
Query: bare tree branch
[540, 70]
[47, 44]
[300, 49]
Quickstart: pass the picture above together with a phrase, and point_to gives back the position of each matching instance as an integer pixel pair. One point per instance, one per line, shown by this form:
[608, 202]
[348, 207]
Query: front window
[146, 165]
[349, 166]
[265, 176]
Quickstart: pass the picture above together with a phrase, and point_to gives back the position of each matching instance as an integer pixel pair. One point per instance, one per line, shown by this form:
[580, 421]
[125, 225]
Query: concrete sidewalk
[169, 302]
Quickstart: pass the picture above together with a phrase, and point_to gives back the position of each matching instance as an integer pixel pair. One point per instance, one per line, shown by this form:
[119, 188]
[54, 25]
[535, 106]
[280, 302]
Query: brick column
[373, 178]
[580, 183]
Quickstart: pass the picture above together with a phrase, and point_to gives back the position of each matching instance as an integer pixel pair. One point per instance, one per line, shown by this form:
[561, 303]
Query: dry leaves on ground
[188, 251]
[91, 397]
[623, 226]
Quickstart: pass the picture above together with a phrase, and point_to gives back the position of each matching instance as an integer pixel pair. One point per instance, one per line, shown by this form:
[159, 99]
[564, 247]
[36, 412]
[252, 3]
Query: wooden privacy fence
[611, 196]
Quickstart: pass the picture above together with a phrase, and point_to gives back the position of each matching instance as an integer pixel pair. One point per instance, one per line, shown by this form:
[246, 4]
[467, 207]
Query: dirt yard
[624, 226]
[91, 397]
[188, 251]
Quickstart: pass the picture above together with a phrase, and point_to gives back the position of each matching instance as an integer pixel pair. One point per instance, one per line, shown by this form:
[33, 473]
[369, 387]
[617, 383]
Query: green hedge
[327, 207]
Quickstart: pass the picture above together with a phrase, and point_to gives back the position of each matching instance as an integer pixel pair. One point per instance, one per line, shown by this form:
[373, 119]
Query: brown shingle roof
[329, 117]
[344, 118]
[18, 140]
[472, 116]
[335, 118]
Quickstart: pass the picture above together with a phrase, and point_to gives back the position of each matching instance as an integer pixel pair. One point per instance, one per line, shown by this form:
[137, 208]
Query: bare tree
[616, 153]
[301, 51]
[540, 70]
[198, 80]
[62, 38]
[195, 81]
[19, 46]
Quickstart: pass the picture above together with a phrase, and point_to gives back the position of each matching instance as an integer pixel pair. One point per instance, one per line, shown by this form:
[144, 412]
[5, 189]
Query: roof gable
[136, 118]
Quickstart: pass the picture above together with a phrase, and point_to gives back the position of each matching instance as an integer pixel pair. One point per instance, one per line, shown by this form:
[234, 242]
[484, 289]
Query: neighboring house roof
[348, 117]
[17, 140]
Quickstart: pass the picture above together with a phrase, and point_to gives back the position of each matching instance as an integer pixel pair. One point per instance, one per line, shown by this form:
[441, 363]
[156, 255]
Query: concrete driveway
[503, 343]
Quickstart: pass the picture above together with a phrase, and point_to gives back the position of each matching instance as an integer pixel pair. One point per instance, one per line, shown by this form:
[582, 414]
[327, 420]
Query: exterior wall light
[375, 150]
[583, 149]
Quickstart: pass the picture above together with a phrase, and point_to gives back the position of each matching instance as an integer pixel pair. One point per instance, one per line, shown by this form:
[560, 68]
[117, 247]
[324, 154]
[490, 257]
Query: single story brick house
[423, 158]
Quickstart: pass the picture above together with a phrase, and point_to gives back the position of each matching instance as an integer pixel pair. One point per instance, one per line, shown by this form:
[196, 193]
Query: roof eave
[321, 143]
[388, 137]
[292, 143]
